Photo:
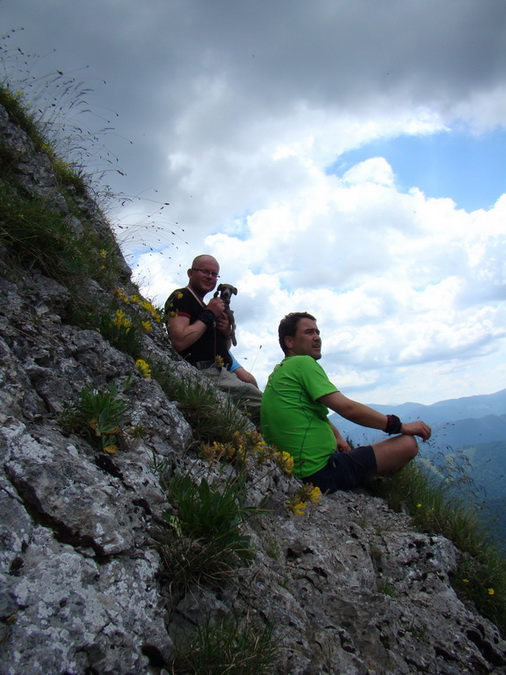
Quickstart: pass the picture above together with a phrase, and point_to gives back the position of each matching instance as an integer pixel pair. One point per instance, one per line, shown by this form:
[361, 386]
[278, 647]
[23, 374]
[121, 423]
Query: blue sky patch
[469, 170]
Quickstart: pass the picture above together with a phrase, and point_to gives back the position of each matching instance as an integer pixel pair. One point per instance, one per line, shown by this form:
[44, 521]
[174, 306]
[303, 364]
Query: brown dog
[225, 291]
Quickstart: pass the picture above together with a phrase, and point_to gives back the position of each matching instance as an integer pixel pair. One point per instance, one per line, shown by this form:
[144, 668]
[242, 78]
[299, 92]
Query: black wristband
[394, 425]
[207, 317]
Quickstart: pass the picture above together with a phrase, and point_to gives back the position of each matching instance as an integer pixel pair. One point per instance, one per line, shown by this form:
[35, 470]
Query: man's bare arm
[182, 333]
[367, 417]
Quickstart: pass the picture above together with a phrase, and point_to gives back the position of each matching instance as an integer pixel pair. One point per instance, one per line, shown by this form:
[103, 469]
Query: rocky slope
[349, 587]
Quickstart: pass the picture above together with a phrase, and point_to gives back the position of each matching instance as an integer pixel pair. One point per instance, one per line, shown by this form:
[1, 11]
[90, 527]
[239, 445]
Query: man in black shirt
[201, 333]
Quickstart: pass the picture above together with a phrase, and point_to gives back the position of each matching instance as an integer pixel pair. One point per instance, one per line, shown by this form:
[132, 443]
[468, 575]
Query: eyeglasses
[208, 273]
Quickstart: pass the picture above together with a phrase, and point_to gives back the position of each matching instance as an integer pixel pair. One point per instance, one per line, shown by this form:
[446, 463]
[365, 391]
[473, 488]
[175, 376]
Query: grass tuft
[211, 417]
[229, 646]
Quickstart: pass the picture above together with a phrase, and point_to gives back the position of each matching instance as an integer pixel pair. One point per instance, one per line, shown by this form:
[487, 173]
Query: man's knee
[411, 447]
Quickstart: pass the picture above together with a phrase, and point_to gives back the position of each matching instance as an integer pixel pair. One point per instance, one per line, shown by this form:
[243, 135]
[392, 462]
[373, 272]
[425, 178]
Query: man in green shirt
[294, 417]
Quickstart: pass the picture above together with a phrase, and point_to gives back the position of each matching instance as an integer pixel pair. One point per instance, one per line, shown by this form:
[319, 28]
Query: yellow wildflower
[418, 506]
[299, 508]
[490, 591]
[121, 295]
[121, 320]
[103, 253]
[119, 316]
[285, 462]
[315, 495]
[148, 326]
[145, 304]
[143, 367]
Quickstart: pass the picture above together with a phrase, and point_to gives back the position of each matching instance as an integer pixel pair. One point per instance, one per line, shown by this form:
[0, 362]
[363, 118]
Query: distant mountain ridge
[456, 422]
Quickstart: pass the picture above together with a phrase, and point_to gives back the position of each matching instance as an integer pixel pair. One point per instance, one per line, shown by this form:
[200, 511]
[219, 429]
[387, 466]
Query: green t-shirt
[291, 417]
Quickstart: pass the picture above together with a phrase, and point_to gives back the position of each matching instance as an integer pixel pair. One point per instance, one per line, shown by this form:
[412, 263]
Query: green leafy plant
[98, 417]
[202, 540]
[229, 646]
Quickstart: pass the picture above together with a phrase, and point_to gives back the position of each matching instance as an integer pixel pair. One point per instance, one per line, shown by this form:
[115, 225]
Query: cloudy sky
[342, 157]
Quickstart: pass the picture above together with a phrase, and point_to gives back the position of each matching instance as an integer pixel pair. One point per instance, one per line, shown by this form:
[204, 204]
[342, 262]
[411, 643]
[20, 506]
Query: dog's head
[226, 291]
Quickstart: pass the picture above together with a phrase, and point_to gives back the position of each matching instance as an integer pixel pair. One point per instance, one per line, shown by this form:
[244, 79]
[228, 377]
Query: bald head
[203, 275]
[203, 260]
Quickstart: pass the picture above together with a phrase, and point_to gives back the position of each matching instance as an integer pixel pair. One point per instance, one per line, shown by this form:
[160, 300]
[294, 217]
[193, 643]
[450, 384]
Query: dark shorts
[345, 470]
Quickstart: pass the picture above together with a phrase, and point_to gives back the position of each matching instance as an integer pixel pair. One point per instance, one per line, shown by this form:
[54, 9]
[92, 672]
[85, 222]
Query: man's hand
[342, 445]
[216, 306]
[223, 325]
[417, 428]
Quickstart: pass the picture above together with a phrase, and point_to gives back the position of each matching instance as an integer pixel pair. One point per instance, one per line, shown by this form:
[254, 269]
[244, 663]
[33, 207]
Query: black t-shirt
[210, 344]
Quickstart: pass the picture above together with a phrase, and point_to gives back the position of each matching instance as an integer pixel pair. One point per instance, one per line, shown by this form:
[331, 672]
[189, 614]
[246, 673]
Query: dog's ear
[220, 288]
[234, 290]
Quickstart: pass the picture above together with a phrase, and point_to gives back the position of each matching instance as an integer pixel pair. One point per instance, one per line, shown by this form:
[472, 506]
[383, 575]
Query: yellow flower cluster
[490, 591]
[143, 367]
[121, 295]
[244, 447]
[14, 97]
[299, 508]
[305, 495]
[121, 320]
[216, 451]
[147, 306]
[140, 302]
[285, 462]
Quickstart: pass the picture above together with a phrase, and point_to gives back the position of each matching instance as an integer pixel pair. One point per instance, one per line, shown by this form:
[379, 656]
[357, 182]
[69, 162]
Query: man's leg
[394, 453]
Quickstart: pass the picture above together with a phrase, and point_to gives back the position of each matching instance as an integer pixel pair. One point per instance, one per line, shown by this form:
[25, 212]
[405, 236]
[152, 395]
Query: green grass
[36, 235]
[66, 174]
[22, 117]
[227, 646]
[211, 417]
